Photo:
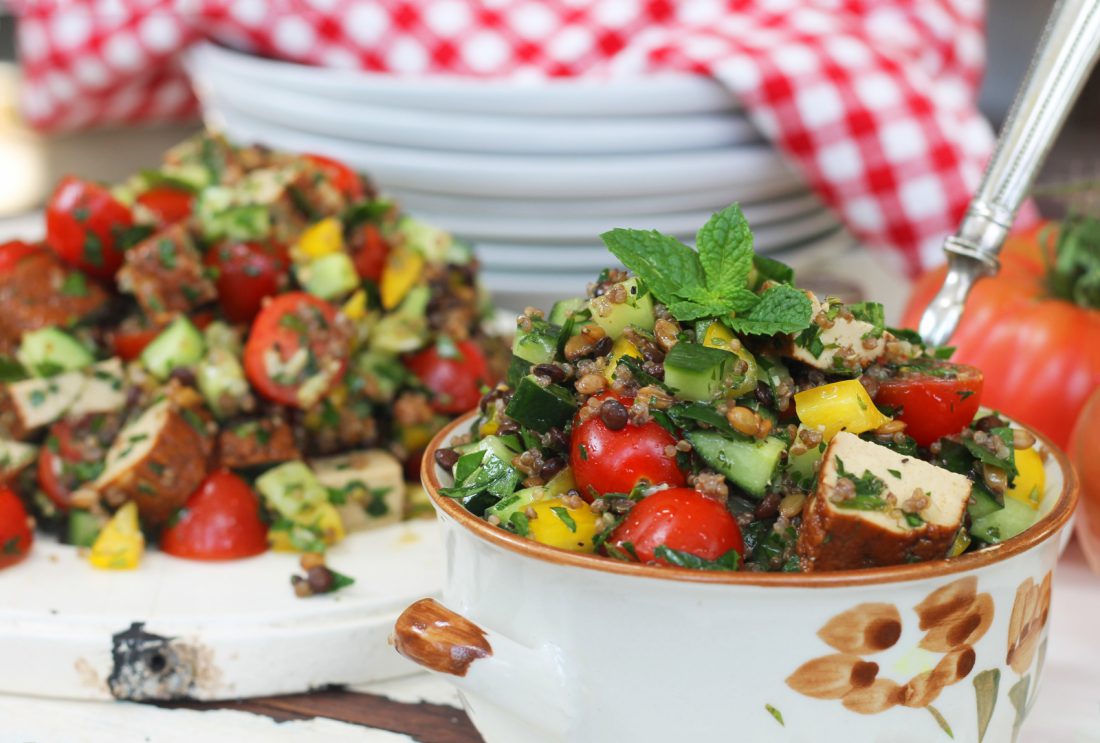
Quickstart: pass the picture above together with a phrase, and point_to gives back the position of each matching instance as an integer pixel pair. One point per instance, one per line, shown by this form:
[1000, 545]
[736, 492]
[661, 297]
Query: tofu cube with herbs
[875, 507]
[165, 274]
[367, 487]
[840, 339]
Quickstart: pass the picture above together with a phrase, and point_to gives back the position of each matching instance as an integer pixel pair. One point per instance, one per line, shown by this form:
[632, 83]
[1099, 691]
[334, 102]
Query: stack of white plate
[529, 171]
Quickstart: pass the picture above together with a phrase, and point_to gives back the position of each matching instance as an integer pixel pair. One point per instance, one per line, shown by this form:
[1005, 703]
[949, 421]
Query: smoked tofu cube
[874, 507]
[165, 274]
[256, 443]
[368, 487]
[157, 461]
[104, 389]
[14, 458]
[35, 403]
[846, 345]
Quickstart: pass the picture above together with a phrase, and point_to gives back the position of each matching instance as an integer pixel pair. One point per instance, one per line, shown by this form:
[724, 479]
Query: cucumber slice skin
[697, 372]
[180, 344]
[51, 351]
[748, 464]
[541, 408]
[1004, 523]
[83, 528]
[563, 308]
[982, 503]
[538, 345]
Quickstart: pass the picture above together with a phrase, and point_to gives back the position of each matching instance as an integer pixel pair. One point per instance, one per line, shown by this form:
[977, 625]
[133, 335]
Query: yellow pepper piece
[120, 544]
[551, 526]
[1031, 478]
[324, 520]
[323, 238]
[840, 406]
[414, 438]
[356, 306]
[622, 347]
[718, 336]
[402, 271]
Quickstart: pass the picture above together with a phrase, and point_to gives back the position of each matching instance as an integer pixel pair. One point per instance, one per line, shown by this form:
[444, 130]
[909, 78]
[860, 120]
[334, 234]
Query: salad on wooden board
[703, 412]
[236, 351]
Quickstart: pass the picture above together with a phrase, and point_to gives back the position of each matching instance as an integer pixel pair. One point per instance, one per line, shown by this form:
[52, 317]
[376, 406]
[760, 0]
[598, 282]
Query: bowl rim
[1046, 528]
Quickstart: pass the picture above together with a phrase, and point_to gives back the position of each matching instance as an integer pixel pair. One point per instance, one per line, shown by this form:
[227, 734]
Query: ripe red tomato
[454, 377]
[343, 177]
[12, 252]
[168, 204]
[368, 252]
[1037, 352]
[16, 534]
[607, 461]
[934, 405]
[287, 323]
[82, 224]
[220, 521]
[57, 475]
[247, 274]
[681, 519]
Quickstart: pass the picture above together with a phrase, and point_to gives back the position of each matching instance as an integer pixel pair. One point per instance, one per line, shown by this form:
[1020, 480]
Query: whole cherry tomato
[681, 519]
[12, 252]
[935, 401]
[343, 177]
[1031, 330]
[288, 323]
[83, 221]
[368, 251]
[614, 461]
[247, 274]
[454, 373]
[220, 521]
[169, 205]
[16, 532]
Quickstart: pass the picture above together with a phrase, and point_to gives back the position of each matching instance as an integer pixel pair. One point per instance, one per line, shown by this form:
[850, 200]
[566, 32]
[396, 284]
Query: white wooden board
[178, 628]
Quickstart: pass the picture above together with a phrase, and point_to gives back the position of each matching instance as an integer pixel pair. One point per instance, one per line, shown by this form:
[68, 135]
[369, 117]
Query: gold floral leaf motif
[863, 629]
[832, 676]
[1029, 615]
[878, 697]
[954, 616]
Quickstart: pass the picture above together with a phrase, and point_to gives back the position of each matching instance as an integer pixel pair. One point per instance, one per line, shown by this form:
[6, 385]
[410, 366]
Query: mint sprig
[713, 282]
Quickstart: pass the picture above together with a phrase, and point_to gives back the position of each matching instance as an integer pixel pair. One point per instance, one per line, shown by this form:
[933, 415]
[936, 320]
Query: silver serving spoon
[1067, 52]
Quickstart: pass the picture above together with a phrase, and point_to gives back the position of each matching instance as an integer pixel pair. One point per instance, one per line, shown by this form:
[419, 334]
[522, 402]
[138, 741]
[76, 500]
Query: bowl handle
[482, 661]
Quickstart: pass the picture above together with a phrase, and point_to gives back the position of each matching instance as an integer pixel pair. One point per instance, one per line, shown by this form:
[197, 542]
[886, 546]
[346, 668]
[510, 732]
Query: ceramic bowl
[546, 645]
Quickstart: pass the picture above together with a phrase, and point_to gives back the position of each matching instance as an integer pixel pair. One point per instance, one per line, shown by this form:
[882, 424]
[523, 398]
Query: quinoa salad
[701, 411]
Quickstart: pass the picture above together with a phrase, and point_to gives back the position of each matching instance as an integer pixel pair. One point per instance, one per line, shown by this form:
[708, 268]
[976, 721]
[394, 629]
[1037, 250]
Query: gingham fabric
[873, 100]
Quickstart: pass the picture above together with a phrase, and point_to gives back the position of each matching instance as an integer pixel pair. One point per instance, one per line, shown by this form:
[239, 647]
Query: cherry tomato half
[935, 401]
[220, 521]
[82, 223]
[169, 205]
[16, 534]
[12, 252]
[368, 251]
[454, 377]
[343, 177]
[681, 519]
[247, 274]
[608, 461]
[288, 323]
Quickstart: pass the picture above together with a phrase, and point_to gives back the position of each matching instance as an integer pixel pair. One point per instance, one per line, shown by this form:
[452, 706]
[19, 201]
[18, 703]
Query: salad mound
[699, 410]
[242, 349]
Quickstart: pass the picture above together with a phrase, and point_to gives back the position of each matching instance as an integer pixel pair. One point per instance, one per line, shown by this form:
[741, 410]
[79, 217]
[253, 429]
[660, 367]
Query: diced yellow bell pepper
[622, 347]
[840, 406]
[120, 544]
[402, 271]
[718, 336]
[415, 438]
[356, 306]
[323, 238]
[1031, 479]
[962, 541]
[570, 529]
[323, 520]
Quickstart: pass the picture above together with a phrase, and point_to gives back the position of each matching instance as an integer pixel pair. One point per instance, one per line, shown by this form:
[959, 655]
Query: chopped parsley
[565, 518]
[75, 284]
[166, 251]
[730, 561]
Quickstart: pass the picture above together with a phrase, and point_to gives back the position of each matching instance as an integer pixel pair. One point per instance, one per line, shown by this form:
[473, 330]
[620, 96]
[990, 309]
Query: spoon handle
[1067, 52]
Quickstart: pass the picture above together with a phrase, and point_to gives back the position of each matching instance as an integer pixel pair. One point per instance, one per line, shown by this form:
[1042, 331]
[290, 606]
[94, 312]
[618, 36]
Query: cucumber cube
[614, 318]
[748, 463]
[541, 408]
[700, 373]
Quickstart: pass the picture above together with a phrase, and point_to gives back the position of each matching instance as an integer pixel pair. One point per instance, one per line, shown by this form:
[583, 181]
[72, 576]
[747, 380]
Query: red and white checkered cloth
[873, 100]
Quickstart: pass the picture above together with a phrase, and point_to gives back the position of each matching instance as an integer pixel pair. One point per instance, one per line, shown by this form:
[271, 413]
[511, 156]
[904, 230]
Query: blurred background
[30, 163]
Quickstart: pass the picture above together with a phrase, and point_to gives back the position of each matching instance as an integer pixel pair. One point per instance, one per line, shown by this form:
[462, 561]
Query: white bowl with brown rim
[546, 645]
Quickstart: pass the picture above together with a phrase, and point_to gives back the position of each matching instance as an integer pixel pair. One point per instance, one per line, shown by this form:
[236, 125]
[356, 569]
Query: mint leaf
[782, 309]
[771, 269]
[871, 312]
[664, 263]
[685, 310]
[693, 303]
[725, 250]
[682, 559]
